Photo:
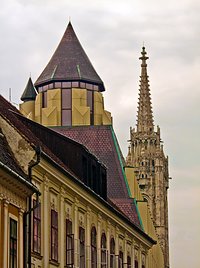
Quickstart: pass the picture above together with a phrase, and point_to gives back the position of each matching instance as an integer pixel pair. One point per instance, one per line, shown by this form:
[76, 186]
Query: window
[57, 85]
[13, 243]
[93, 248]
[54, 235]
[136, 264]
[120, 259]
[128, 262]
[36, 228]
[103, 251]
[112, 253]
[90, 103]
[69, 244]
[82, 247]
[44, 99]
[66, 107]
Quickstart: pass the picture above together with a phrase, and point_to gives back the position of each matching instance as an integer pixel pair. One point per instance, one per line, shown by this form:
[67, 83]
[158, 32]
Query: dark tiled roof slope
[7, 157]
[69, 62]
[13, 116]
[101, 141]
[29, 91]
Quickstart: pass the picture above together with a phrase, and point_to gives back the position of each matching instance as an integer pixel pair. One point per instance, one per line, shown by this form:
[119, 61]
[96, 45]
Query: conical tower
[150, 164]
[69, 89]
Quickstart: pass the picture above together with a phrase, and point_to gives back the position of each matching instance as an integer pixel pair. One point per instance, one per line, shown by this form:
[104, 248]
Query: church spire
[144, 115]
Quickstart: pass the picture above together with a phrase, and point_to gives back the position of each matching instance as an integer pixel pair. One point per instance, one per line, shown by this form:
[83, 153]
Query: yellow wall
[156, 257]
[73, 202]
[51, 115]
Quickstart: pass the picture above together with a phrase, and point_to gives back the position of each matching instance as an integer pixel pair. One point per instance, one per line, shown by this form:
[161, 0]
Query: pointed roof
[145, 114]
[69, 62]
[29, 91]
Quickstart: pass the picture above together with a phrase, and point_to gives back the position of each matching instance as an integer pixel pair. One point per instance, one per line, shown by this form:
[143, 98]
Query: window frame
[69, 244]
[36, 220]
[54, 232]
[93, 247]
[13, 244]
[103, 251]
[82, 247]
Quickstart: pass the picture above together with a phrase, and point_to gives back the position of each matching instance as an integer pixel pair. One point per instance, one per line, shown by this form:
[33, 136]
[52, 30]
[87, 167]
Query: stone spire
[144, 115]
[29, 93]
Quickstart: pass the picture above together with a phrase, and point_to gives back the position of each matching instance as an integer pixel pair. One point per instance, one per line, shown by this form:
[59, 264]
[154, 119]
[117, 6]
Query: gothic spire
[144, 114]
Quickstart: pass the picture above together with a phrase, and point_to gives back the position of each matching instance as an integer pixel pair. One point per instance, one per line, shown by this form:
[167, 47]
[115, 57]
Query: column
[21, 245]
[125, 250]
[76, 233]
[5, 235]
[108, 243]
[88, 230]
[62, 231]
[46, 223]
[133, 253]
[140, 257]
[99, 241]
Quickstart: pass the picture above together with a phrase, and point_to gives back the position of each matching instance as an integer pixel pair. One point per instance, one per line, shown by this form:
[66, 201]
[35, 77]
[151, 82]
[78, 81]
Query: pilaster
[46, 223]
[21, 244]
[5, 234]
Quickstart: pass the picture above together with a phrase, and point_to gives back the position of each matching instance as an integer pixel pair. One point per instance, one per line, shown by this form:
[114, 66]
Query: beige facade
[84, 210]
[14, 191]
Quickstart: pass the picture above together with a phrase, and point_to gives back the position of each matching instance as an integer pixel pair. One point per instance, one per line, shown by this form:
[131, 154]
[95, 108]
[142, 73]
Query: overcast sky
[112, 34]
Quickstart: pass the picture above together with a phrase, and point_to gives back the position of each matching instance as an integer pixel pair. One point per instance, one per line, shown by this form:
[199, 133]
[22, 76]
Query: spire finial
[144, 57]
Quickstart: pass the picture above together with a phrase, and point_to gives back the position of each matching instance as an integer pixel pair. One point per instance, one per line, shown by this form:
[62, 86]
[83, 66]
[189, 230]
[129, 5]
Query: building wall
[12, 206]
[51, 114]
[72, 202]
[155, 258]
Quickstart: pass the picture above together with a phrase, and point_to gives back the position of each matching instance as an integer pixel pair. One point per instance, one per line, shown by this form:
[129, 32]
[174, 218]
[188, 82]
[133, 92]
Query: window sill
[54, 262]
[36, 255]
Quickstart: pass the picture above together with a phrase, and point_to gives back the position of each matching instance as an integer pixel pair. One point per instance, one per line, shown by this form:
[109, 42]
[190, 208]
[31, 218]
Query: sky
[112, 34]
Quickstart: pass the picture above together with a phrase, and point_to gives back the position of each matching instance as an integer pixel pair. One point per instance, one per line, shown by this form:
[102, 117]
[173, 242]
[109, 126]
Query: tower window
[66, 107]
[44, 99]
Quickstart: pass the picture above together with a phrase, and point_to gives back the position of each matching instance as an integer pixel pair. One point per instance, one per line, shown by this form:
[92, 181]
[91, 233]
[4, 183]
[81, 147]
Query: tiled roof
[69, 62]
[13, 116]
[29, 91]
[7, 157]
[101, 141]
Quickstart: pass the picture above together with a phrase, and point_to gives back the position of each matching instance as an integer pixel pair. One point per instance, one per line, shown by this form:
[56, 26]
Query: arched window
[93, 248]
[128, 262]
[82, 247]
[120, 259]
[103, 251]
[112, 253]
